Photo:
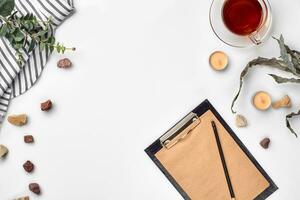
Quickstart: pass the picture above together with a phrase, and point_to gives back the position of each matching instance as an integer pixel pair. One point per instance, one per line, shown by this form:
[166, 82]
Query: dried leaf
[289, 116]
[295, 57]
[273, 63]
[280, 80]
[289, 56]
[285, 56]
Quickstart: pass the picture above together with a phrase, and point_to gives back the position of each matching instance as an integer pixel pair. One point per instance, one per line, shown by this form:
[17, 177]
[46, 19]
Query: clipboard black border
[199, 110]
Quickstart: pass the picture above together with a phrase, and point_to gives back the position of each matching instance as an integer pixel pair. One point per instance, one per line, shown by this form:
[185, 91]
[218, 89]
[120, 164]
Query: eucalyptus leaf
[4, 30]
[10, 38]
[18, 45]
[42, 46]
[63, 50]
[6, 7]
[32, 46]
[58, 49]
[18, 35]
[51, 39]
[42, 33]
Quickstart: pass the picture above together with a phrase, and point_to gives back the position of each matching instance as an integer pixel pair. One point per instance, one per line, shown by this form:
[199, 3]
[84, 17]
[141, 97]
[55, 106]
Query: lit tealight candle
[262, 100]
[218, 60]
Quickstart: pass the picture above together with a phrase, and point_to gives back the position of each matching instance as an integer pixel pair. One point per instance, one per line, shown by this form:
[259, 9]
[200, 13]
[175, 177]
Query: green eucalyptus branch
[27, 32]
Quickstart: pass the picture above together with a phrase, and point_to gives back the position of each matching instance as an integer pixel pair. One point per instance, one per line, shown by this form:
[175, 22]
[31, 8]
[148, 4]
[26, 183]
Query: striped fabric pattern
[16, 79]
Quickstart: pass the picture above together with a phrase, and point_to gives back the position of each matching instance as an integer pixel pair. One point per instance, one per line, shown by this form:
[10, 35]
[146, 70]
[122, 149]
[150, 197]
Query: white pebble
[240, 121]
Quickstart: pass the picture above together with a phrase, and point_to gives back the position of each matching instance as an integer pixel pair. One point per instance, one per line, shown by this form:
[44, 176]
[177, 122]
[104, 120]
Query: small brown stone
[35, 188]
[64, 63]
[28, 166]
[265, 143]
[23, 198]
[17, 120]
[28, 139]
[3, 151]
[47, 105]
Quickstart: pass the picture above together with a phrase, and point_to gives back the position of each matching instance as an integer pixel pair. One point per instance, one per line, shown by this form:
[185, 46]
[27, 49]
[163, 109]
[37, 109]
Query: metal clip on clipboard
[180, 131]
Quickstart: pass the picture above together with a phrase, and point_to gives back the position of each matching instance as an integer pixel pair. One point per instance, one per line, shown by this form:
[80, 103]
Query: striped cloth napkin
[16, 79]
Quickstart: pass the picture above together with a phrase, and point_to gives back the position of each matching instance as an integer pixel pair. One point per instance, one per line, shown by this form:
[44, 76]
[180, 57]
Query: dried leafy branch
[27, 32]
[289, 61]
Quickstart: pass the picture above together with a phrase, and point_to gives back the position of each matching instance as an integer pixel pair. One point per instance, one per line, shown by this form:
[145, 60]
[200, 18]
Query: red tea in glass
[242, 17]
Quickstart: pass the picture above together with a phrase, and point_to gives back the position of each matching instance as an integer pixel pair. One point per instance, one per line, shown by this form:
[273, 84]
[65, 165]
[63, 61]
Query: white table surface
[140, 66]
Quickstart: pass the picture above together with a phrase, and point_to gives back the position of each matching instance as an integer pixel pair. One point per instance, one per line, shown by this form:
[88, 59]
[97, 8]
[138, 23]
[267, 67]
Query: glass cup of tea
[241, 23]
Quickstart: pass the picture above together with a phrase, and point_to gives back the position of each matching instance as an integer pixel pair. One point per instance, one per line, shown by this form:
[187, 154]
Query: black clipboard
[185, 123]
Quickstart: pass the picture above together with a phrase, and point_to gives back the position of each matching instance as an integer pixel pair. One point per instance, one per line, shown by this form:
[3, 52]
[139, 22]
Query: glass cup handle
[255, 37]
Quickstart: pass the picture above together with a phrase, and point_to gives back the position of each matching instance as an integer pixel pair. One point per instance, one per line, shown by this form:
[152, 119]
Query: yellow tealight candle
[218, 60]
[262, 100]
